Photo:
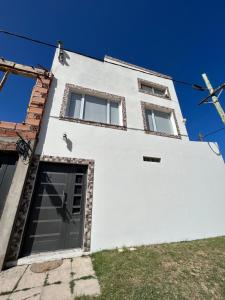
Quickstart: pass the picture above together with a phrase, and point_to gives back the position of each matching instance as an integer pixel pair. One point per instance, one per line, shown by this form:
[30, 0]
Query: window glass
[114, 113]
[149, 120]
[154, 89]
[160, 92]
[74, 106]
[146, 88]
[163, 122]
[95, 109]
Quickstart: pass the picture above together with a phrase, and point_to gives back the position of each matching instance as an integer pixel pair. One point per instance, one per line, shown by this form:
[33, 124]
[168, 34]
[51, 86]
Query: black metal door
[7, 168]
[56, 214]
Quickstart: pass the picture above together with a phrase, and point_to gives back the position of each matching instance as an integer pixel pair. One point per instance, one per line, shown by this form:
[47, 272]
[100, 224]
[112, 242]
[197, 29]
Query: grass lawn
[187, 270]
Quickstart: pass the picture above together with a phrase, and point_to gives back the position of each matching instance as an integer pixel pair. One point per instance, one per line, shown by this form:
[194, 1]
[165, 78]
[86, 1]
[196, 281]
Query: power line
[44, 43]
[213, 132]
[195, 86]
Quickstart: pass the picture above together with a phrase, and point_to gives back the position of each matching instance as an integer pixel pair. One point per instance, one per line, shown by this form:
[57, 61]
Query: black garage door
[7, 168]
[57, 209]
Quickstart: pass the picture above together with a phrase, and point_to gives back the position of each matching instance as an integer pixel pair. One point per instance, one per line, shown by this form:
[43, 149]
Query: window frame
[154, 123]
[71, 88]
[82, 108]
[152, 107]
[153, 86]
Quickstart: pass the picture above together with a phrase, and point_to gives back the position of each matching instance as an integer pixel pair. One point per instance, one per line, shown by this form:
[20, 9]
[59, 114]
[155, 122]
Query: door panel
[56, 219]
[7, 168]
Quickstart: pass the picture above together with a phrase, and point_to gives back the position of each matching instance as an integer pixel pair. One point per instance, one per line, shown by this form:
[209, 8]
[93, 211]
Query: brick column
[8, 136]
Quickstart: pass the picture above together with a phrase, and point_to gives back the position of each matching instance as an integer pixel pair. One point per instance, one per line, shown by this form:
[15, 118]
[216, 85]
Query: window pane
[149, 119]
[163, 123]
[146, 88]
[74, 106]
[114, 113]
[160, 92]
[95, 109]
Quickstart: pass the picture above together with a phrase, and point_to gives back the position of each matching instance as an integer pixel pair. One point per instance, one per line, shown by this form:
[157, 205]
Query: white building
[117, 167]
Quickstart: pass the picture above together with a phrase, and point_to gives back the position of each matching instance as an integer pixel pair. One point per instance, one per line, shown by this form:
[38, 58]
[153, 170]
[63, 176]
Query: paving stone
[87, 287]
[10, 277]
[33, 294]
[61, 275]
[46, 266]
[57, 292]
[31, 280]
[4, 297]
[82, 266]
[65, 265]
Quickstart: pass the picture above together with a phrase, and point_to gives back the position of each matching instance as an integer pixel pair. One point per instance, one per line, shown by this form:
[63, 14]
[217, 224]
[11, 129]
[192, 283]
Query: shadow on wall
[69, 143]
[63, 57]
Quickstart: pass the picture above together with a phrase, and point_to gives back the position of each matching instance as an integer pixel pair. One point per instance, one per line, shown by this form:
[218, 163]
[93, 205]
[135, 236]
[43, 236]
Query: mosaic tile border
[77, 88]
[145, 105]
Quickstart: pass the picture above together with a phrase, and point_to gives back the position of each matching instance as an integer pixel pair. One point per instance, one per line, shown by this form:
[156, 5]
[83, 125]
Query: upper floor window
[153, 89]
[92, 108]
[159, 121]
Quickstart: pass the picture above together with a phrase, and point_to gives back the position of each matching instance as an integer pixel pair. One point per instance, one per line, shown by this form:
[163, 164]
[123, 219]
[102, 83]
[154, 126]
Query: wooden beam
[18, 69]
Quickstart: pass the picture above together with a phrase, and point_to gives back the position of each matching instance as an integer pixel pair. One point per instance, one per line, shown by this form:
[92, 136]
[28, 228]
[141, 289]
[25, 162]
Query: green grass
[187, 270]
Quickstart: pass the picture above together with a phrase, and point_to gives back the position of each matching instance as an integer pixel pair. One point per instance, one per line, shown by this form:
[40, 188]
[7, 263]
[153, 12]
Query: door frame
[26, 201]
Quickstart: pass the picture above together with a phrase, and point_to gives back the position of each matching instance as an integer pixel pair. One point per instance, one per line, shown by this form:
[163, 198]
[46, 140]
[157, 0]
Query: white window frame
[171, 118]
[152, 87]
[108, 120]
[152, 90]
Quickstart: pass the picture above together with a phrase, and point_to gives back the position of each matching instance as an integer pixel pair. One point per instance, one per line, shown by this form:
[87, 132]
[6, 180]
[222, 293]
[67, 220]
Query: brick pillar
[8, 136]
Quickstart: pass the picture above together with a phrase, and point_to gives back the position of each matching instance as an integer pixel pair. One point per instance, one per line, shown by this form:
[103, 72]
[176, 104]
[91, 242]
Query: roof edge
[116, 61]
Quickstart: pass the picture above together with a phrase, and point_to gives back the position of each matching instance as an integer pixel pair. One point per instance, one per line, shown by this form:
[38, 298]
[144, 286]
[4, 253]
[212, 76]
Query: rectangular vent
[152, 159]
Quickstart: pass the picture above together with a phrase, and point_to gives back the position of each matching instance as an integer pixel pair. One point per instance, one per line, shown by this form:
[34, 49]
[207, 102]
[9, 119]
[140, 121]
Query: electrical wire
[198, 87]
[213, 132]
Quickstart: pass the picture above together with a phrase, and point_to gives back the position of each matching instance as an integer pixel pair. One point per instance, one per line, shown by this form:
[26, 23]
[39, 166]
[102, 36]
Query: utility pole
[215, 100]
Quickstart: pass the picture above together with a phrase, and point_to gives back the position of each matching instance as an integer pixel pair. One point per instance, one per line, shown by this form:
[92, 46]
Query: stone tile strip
[79, 89]
[145, 105]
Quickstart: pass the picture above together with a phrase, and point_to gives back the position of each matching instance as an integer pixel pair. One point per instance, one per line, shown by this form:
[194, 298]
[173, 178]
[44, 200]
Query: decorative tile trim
[79, 89]
[153, 84]
[145, 105]
[17, 235]
[89, 192]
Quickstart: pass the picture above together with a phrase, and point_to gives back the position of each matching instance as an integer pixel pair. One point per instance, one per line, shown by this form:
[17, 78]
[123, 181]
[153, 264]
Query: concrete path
[74, 278]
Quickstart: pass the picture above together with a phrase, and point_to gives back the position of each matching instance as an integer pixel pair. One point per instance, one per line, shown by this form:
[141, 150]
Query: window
[153, 89]
[92, 108]
[159, 121]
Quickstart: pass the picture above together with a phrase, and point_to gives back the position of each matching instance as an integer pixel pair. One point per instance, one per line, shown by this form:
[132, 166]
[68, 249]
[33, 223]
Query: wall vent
[152, 159]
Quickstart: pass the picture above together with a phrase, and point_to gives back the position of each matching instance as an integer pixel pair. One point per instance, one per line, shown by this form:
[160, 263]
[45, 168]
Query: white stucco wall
[137, 202]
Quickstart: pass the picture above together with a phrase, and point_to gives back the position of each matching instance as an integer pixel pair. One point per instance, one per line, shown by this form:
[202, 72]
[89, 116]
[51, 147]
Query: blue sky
[179, 38]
